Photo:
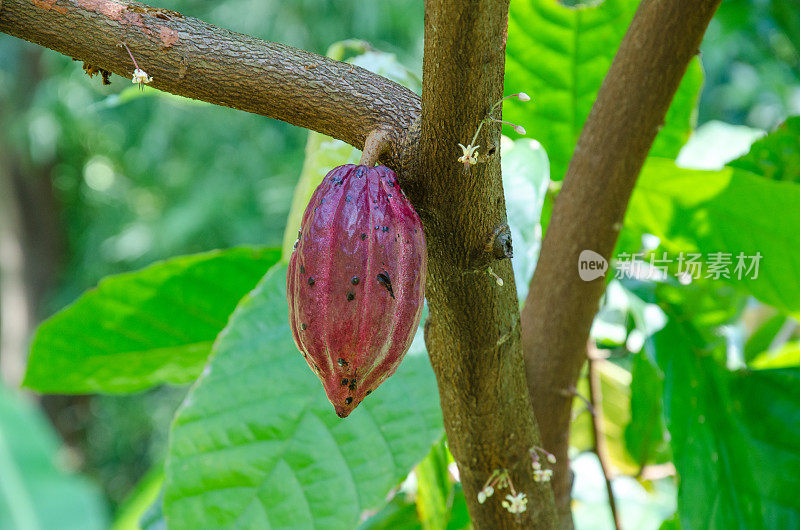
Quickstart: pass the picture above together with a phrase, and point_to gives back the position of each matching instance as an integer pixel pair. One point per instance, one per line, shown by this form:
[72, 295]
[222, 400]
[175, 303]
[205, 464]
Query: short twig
[375, 144]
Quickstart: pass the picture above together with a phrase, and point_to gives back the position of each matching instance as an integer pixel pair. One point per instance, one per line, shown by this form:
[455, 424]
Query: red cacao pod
[356, 281]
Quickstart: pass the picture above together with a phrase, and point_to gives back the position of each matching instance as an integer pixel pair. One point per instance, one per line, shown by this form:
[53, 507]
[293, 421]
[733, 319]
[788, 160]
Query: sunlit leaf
[730, 211]
[144, 328]
[559, 55]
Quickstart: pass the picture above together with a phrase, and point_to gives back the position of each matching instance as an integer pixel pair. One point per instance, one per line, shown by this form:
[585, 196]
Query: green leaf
[776, 156]
[257, 444]
[397, 514]
[323, 153]
[715, 143]
[144, 328]
[526, 175]
[434, 488]
[730, 211]
[559, 55]
[735, 436]
[761, 339]
[787, 356]
[646, 434]
[140, 501]
[35, 493]
[615, 390]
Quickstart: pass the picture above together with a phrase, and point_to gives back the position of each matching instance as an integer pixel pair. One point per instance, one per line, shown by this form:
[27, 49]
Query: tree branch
[472, 333]
[628, 112]
[188, 57]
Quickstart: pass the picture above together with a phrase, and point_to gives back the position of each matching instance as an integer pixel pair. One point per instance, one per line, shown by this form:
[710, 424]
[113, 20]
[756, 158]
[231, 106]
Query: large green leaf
[559, 55]
[144, 328]
[728, 211]
[257, 445]
[35, 493]
[735, 435]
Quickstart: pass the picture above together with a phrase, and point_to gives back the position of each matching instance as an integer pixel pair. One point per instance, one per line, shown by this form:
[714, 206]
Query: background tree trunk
[589, 210]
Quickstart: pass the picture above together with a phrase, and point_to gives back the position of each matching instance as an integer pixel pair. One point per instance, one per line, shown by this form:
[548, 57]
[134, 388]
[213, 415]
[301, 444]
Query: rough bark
[472, 333]
[588, 214]
[188, 57]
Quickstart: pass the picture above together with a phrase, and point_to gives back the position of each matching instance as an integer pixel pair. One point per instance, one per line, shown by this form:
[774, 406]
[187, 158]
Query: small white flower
[140, 77]
[520, 129]
[523, 97]
[536, 465]
[469, 154]
[551, 458]
[516, 503]
[485, 493]
[542, 475]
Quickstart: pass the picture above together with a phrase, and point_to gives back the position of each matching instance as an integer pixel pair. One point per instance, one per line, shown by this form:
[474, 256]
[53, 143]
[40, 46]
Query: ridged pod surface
[356, 281]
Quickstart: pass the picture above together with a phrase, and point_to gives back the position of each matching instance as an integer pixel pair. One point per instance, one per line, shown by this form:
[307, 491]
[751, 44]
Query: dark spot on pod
[377, 227]
[415, 230]
[385, 228]
[383, 279]
[354, 280]
[311, 280]
[302, 269]
[347, 199]
[322, 200]
[390, 195]
[352, 385]
[363, 237]
[374, 201]
[315, 209]
[350, 296]
[368, 392]
[303, 327]
[348, 400]
[345, 381]
[360, 171]
[341, 362]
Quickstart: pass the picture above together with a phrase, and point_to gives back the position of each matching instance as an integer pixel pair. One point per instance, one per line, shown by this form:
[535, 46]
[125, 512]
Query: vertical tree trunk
[473, 333]
[628, 113]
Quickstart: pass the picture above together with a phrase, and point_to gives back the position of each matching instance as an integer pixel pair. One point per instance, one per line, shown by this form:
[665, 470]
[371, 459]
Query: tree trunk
[472, 333]
[589, 210]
